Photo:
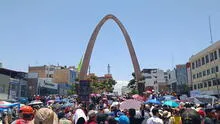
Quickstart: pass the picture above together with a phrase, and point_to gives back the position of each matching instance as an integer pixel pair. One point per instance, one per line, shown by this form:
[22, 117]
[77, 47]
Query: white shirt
[154, 120]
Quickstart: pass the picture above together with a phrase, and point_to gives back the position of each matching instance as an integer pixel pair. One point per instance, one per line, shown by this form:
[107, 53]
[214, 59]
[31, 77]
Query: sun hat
[45, 116]
[166, 114]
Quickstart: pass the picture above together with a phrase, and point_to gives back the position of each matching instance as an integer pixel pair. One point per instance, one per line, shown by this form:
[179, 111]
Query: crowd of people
[102, 110]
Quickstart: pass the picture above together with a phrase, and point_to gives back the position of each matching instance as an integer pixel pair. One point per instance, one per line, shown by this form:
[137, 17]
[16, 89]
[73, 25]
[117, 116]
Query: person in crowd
[79, 117]
[166, 116]
[45, 116]
[26, 115]
[92, 117]
[62, 119]
[155, 118]
[190, 116]
[175, 118]
[122, 119]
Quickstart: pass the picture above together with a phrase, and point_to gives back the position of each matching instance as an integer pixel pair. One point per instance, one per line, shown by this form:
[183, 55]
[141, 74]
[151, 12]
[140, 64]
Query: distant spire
[108, 68]
[210, 30]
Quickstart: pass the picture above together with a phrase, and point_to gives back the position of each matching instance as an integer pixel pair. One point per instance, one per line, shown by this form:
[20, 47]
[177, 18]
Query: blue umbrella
[171, 103]
[169, 97]
[68, 105]
[153, 101]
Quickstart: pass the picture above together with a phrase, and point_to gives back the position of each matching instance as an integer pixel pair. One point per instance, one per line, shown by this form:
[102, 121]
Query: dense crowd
[106, 110]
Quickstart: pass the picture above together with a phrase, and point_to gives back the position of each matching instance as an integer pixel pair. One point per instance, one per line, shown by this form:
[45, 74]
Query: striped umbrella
[130, 103]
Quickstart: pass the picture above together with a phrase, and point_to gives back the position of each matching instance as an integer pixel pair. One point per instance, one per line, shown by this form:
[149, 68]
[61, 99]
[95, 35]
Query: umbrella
[138, 97]
[130, 103]
[4, 103]
[153, 101]
[36, 102]
[171, 103]
[68, 105]
[50, 101]
[114, 104]
[168, 97]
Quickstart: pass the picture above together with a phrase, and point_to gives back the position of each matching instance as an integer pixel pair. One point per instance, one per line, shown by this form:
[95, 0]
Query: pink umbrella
[138, 97]
[130, 103]
[4, 103]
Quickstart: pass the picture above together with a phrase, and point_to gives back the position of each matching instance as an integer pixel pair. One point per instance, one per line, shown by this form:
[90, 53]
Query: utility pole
[210, 30]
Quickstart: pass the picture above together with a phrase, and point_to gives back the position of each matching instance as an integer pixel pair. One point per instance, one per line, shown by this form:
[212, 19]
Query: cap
[202, 113]
[123, 119]
[26, 109]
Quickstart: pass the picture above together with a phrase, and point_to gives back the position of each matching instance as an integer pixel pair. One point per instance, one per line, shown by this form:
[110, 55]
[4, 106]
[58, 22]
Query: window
[203, 60]
[201, 85]
[205, 84]
[193, 65]
[204, 73]
[208, 72]
[195, 87]
[210, 83]
[197, 75]
[215, 55]
[198, 86]
[207, 59]
[216, 69]
[13, 87]
[199, 63]
[214, 82]
[148, 77]
[196, 63]
[200, 74]
[218, 53]
[50, 75]
[211, 56]
[213, 70]
[194, 76]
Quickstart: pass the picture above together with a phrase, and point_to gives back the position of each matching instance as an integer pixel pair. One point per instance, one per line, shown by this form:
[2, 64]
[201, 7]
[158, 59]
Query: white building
[205, 70]
[155, 79]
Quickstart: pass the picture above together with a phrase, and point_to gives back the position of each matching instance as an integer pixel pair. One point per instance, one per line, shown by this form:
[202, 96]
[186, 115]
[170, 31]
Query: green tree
[72, 90]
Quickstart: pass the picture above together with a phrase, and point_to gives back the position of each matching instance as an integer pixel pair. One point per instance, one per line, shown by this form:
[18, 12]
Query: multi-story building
[172, 81]
[56, 79]
[1, 66]
[205, 70]
[182, 79]
[13, 84]
[155, 79]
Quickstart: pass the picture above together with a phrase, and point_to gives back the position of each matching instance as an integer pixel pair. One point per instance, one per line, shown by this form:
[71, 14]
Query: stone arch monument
[88, 53]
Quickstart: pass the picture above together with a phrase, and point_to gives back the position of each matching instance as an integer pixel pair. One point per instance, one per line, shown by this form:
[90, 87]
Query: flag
[80, 64]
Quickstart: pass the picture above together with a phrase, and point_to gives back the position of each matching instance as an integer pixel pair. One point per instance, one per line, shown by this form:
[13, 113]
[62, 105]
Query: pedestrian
[26, 115]
[155, 118]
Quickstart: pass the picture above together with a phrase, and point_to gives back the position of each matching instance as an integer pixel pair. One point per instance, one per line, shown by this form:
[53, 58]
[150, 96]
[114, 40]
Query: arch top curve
[88, 53]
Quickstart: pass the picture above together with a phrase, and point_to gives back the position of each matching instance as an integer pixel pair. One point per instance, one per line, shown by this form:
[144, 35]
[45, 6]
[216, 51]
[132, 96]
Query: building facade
[13, 84]
[182, 79]
[172, 81]
[205, 70]
[59, 78]
[155, 79]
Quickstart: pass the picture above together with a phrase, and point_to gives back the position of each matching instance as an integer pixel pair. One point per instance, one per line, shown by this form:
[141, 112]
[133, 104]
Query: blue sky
[164, 32]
